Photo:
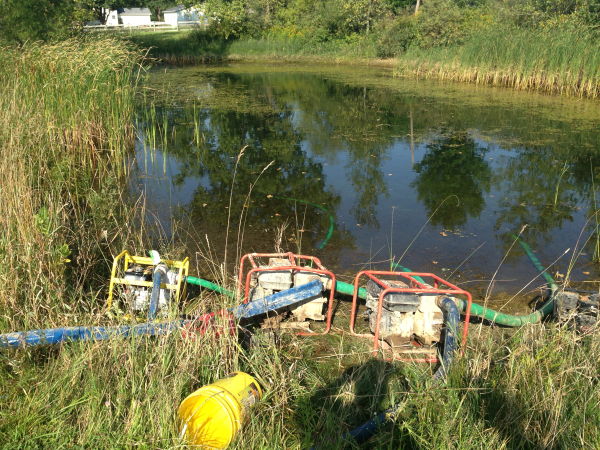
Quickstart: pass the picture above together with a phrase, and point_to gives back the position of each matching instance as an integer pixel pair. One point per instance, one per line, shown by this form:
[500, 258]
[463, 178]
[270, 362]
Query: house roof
[134, 12]
[174, 9]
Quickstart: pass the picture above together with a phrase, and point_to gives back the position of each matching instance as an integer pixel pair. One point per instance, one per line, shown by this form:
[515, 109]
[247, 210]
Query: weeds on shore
[534, 388]
[559, 61]
[65, 128]
[562, 61]
[193, 47]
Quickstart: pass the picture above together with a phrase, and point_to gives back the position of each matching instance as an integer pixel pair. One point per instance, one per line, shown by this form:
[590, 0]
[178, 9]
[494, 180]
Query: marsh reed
[558, 61]
[65, 128]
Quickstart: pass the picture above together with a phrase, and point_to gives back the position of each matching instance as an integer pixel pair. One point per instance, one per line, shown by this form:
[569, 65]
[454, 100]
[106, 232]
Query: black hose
[450, 343]
[368, 429]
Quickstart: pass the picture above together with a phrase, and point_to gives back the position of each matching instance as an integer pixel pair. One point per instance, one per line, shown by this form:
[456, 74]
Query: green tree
[33, 20]
[157, 7]
[227, 17]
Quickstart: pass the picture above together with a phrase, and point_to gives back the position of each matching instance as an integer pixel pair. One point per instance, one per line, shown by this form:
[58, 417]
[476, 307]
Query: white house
[129, 16]
[179, 14]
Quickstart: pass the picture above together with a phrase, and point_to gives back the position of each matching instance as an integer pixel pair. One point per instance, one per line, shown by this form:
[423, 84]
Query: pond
[358, 167]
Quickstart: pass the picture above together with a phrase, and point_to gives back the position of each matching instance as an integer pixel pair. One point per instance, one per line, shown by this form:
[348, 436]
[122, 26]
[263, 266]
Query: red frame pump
[294, 258]
[419, 289]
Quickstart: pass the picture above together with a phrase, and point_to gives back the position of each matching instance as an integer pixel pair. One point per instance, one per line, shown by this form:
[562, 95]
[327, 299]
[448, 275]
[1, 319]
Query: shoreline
[401, 68]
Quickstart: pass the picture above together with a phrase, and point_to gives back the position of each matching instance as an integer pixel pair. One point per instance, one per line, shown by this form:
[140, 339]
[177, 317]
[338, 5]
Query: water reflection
[362, 151]
[453, 165]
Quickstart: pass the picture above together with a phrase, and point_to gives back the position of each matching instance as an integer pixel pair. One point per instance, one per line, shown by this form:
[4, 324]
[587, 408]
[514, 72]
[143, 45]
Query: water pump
[284, 271]
[266, 283]
[136, 276]
[405, 316]
[578, 309]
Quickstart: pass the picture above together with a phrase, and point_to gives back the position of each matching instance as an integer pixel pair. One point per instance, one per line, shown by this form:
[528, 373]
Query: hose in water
[518, 321]
[331, 221]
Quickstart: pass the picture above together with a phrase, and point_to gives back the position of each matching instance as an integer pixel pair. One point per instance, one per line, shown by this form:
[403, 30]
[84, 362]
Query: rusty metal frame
[420, 289]
[294, 259]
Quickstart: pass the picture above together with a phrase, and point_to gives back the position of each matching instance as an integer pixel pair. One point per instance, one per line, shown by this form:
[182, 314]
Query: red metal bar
[250, 257]
[293, 267]
[421, 289]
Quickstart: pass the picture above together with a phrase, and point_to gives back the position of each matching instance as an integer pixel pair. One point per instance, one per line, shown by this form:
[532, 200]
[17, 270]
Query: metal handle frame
[183, 267]
[420, 289]
[293, 267]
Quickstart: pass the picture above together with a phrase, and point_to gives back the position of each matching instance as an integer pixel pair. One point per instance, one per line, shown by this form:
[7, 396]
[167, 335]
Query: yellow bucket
[211, 416]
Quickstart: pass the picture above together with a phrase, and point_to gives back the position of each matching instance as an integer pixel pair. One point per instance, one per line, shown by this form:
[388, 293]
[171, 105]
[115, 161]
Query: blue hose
[450, 343]
[57, 335]
[159, 271]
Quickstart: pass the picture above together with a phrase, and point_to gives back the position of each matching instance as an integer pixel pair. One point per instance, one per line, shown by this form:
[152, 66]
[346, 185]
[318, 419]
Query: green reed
[65, 131]
[561, 61]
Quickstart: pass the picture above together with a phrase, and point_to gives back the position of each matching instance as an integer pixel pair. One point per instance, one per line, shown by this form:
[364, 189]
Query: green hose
[348, 289]
[406, 269]
[210, 285]
[517, 321]
[331, 221]
[476, 310]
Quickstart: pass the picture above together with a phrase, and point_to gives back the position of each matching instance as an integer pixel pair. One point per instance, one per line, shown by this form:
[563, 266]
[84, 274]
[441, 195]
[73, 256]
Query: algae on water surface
[485, 162]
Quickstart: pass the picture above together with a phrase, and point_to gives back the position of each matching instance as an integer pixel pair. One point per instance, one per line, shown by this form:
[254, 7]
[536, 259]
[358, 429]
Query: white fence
[149, 27]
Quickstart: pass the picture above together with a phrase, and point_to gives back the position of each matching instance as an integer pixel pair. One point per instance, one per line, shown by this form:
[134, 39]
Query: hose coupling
[162, 268]
[439, 298]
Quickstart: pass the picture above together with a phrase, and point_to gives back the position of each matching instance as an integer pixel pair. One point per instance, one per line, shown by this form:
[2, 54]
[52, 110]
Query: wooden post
[417, 7]
[412, 139]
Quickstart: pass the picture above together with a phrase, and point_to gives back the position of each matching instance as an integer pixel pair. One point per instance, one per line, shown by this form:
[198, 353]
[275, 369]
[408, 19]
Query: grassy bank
[65, 130]
[526, 390]
[194, 47]
[563, 62]
[546, 46]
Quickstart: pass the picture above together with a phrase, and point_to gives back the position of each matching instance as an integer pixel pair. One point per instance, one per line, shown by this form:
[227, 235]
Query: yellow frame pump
[128, 259]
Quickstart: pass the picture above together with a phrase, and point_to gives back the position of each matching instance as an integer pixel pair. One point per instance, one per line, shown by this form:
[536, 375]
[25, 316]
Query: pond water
[434, 175]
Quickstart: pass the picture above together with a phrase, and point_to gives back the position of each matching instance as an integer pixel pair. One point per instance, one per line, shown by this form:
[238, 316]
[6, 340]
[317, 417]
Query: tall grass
[563, 61]
[197, 47]
[532, 389]
[65, 128]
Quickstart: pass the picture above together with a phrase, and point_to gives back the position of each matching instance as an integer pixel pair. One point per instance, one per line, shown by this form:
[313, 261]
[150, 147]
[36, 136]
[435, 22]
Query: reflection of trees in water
[267, 138]
[333, 116]
[306, 111]
[453, 165]
[543, 188]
